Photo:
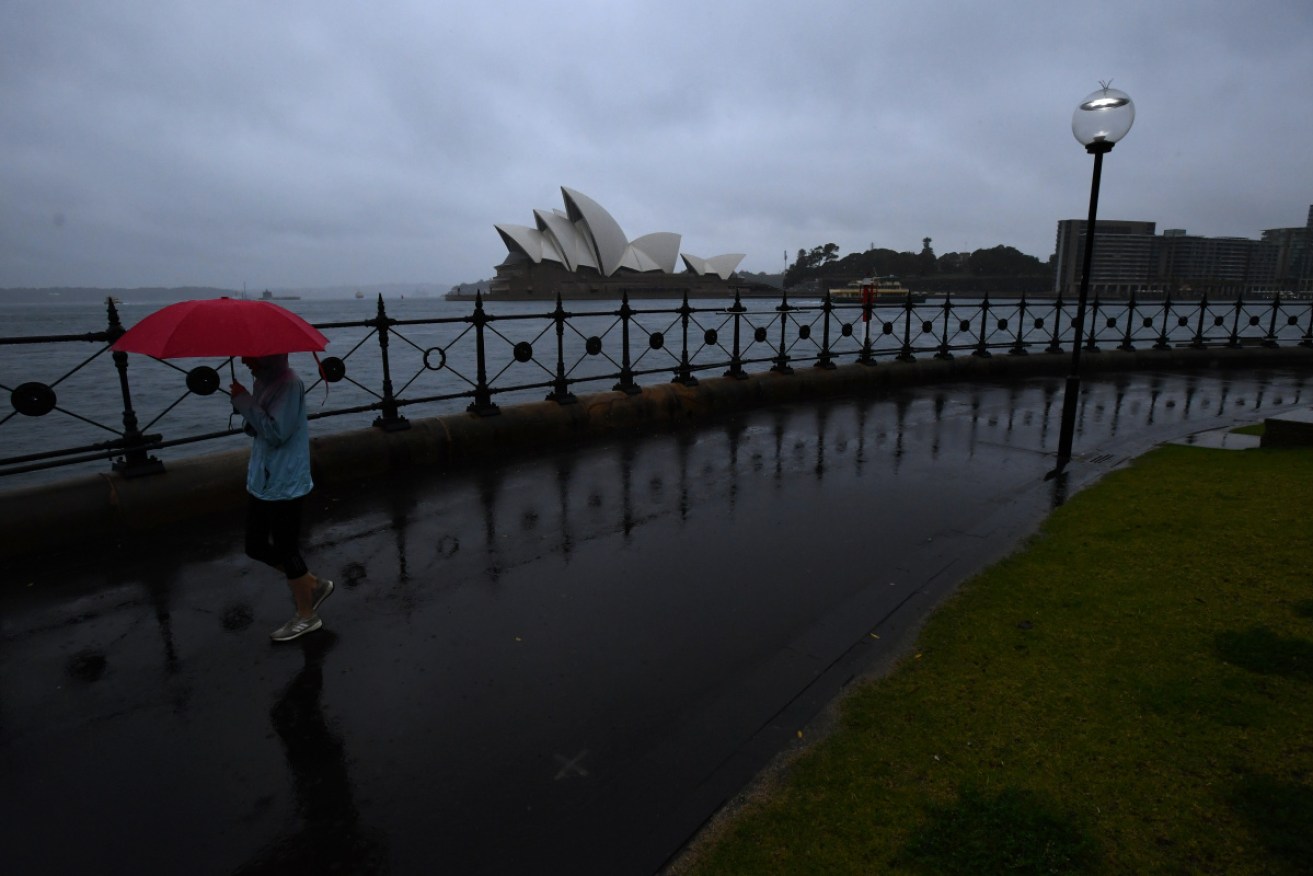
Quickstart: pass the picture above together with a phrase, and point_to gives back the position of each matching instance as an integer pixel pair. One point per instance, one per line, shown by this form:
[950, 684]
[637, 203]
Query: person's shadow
[330, 837]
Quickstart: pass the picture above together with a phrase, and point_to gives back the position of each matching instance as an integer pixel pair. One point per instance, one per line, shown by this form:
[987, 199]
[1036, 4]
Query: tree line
[821, 266]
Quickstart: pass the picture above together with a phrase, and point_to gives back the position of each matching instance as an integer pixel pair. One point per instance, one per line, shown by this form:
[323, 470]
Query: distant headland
[170, 294]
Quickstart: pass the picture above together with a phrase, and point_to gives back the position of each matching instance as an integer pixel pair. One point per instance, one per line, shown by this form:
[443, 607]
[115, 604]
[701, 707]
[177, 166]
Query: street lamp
[1099, 122]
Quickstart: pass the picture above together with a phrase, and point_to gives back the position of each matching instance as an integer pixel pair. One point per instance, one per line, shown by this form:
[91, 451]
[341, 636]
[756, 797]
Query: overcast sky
[311, 143]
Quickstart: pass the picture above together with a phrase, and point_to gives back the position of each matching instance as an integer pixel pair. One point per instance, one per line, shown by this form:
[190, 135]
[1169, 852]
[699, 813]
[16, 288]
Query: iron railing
[474, 360]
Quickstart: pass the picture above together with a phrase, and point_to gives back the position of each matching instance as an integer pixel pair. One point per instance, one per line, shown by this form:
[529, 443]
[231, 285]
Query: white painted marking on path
[571, 766]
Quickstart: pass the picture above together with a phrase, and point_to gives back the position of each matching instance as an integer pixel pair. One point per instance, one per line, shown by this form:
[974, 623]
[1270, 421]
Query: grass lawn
[1131, 693]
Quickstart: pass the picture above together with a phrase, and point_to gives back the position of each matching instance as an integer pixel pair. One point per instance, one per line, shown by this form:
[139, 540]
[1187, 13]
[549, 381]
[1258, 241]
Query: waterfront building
[581, 252]
[1131, 258]
[1123, 257]
[1219, 267]
[1294, 265]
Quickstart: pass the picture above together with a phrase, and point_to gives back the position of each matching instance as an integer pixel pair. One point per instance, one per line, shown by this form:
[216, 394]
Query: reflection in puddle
[330, 837]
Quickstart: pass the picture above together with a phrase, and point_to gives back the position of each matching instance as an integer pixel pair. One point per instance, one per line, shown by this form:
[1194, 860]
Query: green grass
[1132, 693]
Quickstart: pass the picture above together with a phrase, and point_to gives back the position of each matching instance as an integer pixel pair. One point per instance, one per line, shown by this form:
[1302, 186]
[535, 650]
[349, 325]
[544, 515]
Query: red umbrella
[221, 327]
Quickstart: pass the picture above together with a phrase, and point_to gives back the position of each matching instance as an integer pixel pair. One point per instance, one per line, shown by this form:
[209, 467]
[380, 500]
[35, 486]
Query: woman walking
[278, 479]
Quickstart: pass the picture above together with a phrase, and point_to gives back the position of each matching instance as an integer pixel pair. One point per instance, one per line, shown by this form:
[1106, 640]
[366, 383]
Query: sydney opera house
[581, 252]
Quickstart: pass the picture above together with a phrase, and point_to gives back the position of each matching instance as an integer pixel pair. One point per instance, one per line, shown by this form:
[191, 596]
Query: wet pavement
[565, 663]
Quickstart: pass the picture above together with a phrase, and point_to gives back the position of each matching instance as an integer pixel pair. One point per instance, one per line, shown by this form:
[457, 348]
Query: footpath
[565, 661]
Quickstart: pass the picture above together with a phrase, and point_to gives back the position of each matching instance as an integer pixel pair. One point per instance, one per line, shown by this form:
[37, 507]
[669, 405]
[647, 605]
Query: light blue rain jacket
[275, 410]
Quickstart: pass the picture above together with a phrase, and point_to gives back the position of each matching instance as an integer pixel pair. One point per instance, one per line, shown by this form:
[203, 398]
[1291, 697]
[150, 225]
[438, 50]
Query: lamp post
[1099, 122]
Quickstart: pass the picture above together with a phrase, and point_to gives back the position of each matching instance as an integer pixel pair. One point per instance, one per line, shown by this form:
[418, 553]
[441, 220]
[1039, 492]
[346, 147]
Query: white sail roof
[601, 232]
[662, 247]
[570, 247]
[585, 235]
[522, 239]
[722, 266]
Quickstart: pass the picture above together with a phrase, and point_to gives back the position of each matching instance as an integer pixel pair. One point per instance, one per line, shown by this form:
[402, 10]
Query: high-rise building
[1214, 266]
[1130, 258]
[1123, 257]
[1294, 259]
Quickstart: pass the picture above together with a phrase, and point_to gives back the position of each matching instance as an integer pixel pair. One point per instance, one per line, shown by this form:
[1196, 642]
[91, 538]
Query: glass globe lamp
[1103, 118]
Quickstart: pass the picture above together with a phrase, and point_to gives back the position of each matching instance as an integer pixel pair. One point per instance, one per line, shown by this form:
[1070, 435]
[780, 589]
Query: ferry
[881, 289]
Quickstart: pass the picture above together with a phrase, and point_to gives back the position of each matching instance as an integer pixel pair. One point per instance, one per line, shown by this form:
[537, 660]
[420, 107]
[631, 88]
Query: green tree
[1003, 261]
[953, 263]
[822, 263]
[925, 262]
[810, 264]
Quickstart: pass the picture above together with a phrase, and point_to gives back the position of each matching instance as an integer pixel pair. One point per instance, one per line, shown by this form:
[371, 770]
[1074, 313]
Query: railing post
[1308, 329]
[826, 361]
[868, 315]
[1234, 342]
[905, 355]
[1090, 346]
[982, 349]
[1054, 345]
[391, 421]
[135, 461]
[943, 343]
[482, 405]
[736, 357]
[1271, 339]
[1130, 326]
[1018, 346]
[781, 365]
[684, 374]
[1163, 343]
[1198, 342]
[560, 386]
[626, 384]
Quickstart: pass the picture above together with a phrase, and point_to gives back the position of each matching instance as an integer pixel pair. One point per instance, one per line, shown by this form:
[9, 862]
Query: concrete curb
[86, 508]
[1289, 430]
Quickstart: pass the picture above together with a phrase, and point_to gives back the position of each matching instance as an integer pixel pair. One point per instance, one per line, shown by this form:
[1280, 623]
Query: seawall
[94, 507]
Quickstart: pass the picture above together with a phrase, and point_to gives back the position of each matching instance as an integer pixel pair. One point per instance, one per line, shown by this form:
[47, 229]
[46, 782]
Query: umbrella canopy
[221, 327]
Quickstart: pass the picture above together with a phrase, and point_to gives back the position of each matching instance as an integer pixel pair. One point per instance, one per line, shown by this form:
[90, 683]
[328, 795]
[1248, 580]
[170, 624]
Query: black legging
[273, 534]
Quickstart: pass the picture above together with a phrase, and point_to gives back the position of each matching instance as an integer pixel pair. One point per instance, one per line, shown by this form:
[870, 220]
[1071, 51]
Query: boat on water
[266, 295]
[878, 289]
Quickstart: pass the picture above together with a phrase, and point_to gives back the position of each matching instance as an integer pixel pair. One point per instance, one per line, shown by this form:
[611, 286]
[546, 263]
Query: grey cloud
[299, 143]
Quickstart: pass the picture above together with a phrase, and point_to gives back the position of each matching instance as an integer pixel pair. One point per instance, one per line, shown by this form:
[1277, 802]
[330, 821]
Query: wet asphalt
[564, 663]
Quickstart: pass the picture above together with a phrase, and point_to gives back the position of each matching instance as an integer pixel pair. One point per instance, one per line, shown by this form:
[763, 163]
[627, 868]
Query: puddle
[1221, 439]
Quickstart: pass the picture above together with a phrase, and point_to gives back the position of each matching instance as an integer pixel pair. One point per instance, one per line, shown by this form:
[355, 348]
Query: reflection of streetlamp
[1099, 122]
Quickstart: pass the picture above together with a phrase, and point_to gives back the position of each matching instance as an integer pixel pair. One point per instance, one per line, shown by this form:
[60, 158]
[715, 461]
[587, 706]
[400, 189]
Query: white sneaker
[296, 628]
